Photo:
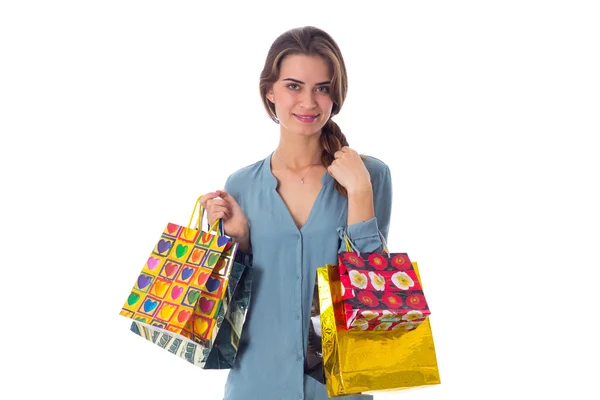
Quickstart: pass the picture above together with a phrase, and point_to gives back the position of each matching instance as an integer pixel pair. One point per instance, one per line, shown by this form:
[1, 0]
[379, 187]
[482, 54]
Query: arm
[239, 223]
[369, 213]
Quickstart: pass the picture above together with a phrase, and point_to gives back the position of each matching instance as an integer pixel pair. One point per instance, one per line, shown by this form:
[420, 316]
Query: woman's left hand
[350, 171]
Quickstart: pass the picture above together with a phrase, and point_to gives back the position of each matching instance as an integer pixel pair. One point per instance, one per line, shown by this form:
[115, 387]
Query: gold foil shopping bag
[357, 361]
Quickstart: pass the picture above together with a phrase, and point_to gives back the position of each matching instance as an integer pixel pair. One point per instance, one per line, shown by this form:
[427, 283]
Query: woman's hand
[221, 205]
[350, 171]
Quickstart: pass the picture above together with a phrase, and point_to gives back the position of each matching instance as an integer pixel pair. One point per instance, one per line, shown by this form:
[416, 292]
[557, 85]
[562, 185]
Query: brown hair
[311, 41]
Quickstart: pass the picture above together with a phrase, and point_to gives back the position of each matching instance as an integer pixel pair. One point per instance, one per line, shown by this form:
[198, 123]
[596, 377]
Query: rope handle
[350, 246]
[216, 226]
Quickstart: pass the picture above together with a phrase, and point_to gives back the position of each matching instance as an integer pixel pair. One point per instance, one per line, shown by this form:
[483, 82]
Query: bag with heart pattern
[181, 288]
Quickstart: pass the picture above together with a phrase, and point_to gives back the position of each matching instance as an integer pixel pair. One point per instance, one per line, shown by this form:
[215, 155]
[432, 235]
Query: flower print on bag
[354, 259]
[377, 281]
[392, 300]
[412, 316]
[402, 280]
[369, 315]
[359, 325]
[416, 301]
[368, 299]
[384, 326]
[401, 262]
[406, 326]
[358, 280]
[378, 262]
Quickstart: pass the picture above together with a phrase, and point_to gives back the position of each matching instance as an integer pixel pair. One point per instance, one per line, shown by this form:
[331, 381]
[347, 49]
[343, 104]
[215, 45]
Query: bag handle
[217, 225]
[350, 246]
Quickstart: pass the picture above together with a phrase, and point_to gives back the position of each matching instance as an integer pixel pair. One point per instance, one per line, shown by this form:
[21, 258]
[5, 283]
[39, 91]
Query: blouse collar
[268, 176]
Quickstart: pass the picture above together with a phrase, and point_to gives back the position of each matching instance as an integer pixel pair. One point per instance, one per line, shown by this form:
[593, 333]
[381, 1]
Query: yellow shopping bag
[366, 361]
[181, 286]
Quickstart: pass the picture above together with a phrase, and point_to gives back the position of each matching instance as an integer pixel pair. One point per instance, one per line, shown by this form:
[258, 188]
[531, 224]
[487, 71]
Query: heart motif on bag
[186, 273]
[153, 263]
[133, 298]
[181, 250]
[206, 305]
[202, 278]
[197, 255]
[212, 284]
[193, 296]
[149, 305]
[170, 269]
[176, 292]
[200, 326]
[143, 281]
[171, 228]
[160, 288]
[222, 241]
[220, 265]
[205, 238]
[166, 312]
[163, 246]
[183, 316]
[212, 259]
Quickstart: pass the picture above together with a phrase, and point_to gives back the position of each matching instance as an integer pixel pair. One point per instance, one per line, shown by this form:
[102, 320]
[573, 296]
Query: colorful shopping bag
[183, 282]
[364, 361]
[379, 290]
[220, 351]
[313, 362]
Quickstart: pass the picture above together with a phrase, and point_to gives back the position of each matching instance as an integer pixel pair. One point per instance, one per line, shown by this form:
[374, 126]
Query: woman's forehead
[308, 69]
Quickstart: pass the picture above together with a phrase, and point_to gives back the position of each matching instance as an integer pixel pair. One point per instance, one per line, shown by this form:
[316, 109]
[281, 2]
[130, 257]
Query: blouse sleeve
[233, 190]
[365, 235]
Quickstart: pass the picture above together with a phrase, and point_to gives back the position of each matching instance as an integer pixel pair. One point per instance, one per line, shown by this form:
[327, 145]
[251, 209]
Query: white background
[116, 115]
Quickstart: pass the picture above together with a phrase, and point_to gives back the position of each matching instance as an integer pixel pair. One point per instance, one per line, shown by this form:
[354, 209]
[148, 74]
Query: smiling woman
[289, 209]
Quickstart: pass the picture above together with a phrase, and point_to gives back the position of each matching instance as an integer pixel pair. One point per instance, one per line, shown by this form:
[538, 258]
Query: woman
[290, 209]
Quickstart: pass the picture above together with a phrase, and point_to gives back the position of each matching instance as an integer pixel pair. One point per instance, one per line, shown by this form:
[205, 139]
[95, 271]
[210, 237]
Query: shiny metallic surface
[367, 361]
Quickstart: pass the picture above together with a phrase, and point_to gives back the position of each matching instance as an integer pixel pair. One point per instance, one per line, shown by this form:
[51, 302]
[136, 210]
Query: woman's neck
[297, 152]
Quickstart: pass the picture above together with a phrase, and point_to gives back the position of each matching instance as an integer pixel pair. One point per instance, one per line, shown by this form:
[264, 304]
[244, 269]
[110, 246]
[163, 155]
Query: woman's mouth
[308, 119]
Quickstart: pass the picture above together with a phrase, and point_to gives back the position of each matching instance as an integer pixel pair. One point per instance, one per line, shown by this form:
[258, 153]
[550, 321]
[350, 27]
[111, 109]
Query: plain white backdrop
[116, 115]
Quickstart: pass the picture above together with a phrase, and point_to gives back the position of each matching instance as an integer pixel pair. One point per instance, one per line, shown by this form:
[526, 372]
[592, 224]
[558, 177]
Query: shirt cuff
[363, 235]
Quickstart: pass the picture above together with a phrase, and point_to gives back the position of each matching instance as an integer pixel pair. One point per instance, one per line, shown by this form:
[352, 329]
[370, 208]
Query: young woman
[291, 209]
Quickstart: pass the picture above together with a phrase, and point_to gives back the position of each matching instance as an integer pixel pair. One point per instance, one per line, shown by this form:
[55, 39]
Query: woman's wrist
[360, 205]
[243, 242]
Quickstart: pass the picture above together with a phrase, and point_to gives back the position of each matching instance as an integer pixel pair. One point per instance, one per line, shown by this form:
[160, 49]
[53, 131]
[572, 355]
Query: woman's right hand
[221, 205]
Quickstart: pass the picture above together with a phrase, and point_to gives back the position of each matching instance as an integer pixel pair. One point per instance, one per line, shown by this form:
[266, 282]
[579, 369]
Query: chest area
[299, 200]
[299, 196]
[287, 211]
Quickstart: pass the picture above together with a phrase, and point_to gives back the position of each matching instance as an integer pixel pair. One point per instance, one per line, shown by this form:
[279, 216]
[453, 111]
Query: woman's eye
[294, 86]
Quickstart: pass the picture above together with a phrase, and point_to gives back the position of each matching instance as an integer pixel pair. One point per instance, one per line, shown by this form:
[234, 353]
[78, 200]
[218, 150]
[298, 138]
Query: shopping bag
[379, 290]
[364, 361]
[220, 352]
[181, 287]
[313, 362]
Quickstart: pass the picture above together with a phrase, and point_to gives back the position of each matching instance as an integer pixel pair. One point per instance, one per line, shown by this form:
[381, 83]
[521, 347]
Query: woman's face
[302, 94]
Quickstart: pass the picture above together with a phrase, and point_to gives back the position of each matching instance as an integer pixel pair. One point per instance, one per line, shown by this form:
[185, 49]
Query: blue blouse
[270, 360]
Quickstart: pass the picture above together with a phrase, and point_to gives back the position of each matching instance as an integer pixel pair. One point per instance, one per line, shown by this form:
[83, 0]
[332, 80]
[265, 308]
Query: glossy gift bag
[364, 361]
[182, 286]
[220, 352]
[379, 290]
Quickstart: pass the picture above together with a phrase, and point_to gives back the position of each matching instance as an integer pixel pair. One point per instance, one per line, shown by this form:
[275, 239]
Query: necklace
[301, 179]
